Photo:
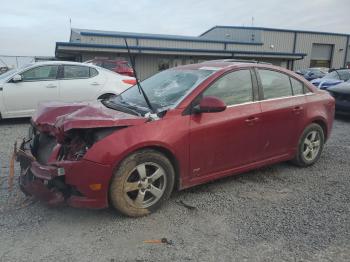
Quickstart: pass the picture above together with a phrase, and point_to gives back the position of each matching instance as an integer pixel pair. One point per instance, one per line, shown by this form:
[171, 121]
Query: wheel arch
[173, 160]
[323, 124]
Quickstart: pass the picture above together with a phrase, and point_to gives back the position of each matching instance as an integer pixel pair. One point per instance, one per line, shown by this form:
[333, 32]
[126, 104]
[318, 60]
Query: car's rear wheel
[142, 182]
[310, 146]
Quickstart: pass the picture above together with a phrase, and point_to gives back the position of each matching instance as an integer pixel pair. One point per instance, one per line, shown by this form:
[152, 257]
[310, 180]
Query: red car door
[283, 110]
[224, 140]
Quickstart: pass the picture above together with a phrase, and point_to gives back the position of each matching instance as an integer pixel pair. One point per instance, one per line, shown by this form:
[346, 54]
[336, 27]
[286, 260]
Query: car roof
[58, 63]
[227, 63]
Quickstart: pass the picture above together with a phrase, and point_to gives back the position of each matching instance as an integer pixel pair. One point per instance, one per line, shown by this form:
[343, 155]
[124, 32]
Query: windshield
[164, 89]
[339, 74]
[332, 75]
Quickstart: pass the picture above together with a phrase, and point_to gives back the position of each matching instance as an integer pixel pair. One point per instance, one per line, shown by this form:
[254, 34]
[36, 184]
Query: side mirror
[210, 104]
[17, 78]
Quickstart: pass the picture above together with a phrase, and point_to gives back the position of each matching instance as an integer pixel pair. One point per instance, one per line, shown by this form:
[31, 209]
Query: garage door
[321, 55]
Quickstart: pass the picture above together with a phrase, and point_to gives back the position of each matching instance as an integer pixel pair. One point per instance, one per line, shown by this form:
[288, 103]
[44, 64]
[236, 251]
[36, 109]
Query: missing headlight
[78, 141]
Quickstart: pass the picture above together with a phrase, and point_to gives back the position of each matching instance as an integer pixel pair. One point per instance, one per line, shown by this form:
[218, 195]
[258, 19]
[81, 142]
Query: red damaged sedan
[183, 127]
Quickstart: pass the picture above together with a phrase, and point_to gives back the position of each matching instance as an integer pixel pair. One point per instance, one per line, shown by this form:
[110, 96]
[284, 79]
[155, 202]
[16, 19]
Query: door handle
[297, 110]
[251, 120]
[51, 86]
[95, 84]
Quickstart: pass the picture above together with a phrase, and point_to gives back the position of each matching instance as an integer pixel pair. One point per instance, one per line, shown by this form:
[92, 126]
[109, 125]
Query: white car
[21, 90]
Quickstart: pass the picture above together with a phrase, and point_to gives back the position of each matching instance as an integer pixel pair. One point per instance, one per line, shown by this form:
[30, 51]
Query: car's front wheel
[310, 145]
[143, 181]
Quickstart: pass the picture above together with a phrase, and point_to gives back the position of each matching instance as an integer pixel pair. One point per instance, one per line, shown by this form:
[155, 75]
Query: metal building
[154, 52]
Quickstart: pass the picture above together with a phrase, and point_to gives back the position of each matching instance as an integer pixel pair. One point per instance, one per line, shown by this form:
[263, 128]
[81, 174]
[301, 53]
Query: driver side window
[233, 88]
[40, 73]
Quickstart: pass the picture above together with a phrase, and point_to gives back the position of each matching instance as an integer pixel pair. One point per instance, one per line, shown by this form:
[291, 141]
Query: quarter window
[298, 87]
[275, 84]
[73, 71]
[93, 72]
[40, 73]
[233, 88]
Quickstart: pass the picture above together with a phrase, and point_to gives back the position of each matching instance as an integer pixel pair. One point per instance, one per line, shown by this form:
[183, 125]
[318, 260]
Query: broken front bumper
[61, 182]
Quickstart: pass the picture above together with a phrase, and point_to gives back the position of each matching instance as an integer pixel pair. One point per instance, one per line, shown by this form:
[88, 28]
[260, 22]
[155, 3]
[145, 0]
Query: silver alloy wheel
[145, 185]
[311, 145]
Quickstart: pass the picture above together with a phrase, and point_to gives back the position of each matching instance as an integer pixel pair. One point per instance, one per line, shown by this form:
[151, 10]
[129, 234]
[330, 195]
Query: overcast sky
[32, 27]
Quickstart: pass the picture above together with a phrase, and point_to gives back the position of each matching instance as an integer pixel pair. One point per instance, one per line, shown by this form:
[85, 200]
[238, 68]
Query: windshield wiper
[137, 81]
[123, 108]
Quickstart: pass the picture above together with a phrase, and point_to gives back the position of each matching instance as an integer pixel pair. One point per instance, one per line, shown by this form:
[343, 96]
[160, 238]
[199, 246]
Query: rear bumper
[64, 182]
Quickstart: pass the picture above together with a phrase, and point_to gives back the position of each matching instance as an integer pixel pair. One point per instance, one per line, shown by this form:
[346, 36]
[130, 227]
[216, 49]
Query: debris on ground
[188, 206]
[158, 241]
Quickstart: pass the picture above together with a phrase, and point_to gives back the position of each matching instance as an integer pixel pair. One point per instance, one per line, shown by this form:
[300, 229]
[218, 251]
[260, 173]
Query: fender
[129, 139]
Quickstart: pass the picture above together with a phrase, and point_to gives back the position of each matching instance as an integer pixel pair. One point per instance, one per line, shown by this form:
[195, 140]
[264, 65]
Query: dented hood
[57, 117]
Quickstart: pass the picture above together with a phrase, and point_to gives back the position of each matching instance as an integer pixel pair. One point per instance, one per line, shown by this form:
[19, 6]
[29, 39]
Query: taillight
[129, 81]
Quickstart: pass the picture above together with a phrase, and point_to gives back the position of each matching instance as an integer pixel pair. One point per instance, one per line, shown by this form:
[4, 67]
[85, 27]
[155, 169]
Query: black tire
[301, 159]
[151, 163]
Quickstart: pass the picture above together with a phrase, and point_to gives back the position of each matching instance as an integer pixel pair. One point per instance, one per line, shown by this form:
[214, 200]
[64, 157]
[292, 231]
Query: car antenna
[137, 81]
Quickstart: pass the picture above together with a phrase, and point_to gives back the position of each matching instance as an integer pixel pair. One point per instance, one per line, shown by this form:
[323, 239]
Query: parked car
[313, 72]
[205, 121]
[333, 78]
[21, 90]
[120, 66]
[341, 94]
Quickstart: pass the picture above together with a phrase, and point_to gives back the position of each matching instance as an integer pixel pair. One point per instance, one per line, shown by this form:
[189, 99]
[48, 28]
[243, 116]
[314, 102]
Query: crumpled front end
[57, 173]
[53, 167]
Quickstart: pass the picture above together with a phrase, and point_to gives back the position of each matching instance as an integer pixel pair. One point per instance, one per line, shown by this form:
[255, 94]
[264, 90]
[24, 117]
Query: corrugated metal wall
[304, 45]
[273, 41]
[74, 37]
[181, 44]
[234, 34]
[146, 65]
[105, 40]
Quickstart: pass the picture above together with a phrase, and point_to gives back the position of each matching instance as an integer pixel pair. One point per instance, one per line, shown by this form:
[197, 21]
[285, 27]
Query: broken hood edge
[58, 117]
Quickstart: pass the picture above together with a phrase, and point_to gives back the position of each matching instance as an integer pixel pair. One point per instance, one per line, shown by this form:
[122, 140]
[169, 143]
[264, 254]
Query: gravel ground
[278, 213]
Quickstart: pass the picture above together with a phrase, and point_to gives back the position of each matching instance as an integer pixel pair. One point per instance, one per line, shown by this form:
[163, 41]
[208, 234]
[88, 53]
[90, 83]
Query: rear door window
[275, 84]
[75, 72]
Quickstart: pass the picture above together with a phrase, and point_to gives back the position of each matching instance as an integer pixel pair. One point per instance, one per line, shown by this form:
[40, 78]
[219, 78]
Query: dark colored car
[313, 73]
[207, 121]
[341, 94]
[120, 66]
[335, 77]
